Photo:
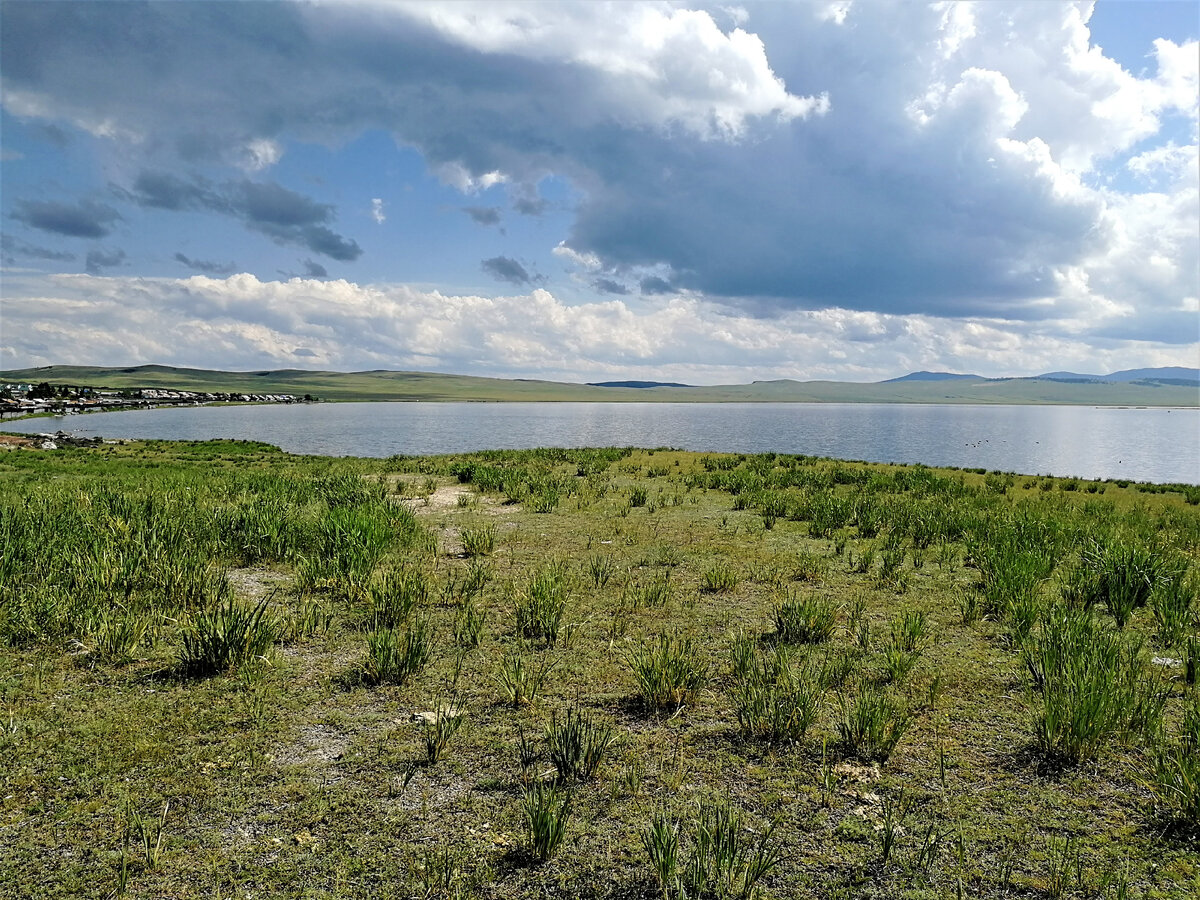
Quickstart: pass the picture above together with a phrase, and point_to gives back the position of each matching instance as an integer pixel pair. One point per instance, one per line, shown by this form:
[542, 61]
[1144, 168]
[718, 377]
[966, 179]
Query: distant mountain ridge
[636, 384]
[931, 376]
[1163, 375]
[1172, 375]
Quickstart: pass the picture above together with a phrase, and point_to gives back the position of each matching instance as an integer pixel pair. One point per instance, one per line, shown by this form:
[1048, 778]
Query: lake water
[1161, 445]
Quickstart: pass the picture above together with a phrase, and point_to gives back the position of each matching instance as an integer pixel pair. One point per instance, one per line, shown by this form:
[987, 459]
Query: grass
[669, 671]
[776, 702]
[226, 637]
[964, 715]
[577, 745]
[806, 619]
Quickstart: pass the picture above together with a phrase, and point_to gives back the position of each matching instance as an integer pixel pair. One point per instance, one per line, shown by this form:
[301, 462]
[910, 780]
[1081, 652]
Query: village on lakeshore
[22, 399]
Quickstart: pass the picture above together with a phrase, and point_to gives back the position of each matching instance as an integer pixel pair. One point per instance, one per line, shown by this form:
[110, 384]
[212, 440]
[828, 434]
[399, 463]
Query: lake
[1160, 445]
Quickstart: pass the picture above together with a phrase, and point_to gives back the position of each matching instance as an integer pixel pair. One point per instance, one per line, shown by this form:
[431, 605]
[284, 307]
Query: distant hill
[1173, 375]
[636, 384]
[432, 386]
[931, 376]
[1165, 374]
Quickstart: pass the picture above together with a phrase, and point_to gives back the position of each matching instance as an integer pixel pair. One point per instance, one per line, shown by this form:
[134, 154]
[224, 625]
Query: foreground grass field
[230, 672]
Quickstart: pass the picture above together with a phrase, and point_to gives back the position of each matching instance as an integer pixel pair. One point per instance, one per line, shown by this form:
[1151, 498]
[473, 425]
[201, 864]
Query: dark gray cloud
[98, 260]
[285, 216]
[318, 239]
[85, 219]
[527, 201]
[608, 286]
[53, 134]
[509, 270]
[483, 215]
[652, 284]
[268, 203]
[11, 245]
[315, 269]
[304, 352]
[206, 266]
[162, 190]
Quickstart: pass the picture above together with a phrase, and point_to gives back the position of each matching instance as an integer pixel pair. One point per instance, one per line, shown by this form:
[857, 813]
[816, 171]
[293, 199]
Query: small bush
[475, 579]
[540, 605]
[311, 617]
[724, 860]
[1174, 777]
[479, 541]
[393, 657]
[776, 703]
[394, 594]
[898, 662]
[668, 672]
[721, 577]
[600, 570]
[226, 637]
[520, 677]
[439, 732]
[1171, 600]
[114, 638]
[805, 619]
[652, 593]
[660, 838]
[1087, 682]
[1119, 575]
[742, 654]
[637, 496]
[908, 631]
[547, 812]
[468, 624]
[577, 745]
[872, 724]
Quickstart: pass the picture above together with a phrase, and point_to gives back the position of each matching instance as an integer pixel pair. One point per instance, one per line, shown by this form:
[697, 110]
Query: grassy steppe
[230, 672]
[386, 385]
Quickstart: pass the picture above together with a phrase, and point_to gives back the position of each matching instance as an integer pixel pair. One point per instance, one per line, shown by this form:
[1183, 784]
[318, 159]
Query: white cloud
[377, 212]
[662, 66]
[241, 322]
[259, 154]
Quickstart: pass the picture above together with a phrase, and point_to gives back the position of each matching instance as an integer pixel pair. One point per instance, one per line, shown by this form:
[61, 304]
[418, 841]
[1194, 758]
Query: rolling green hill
[387, 385]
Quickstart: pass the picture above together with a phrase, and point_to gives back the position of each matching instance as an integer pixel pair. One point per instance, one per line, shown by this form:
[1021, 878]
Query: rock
[430, 717]
[48, 445]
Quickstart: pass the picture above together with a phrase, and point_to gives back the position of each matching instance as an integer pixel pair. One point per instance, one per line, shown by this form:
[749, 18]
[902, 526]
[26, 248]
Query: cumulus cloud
[502, 268]
[206, 266]
[377, 211]
[242, 322]
[314, 269]
[85, 219]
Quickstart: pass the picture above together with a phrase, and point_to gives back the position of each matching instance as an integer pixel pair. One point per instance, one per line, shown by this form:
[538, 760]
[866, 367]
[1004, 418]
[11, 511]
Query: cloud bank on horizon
[844, 190]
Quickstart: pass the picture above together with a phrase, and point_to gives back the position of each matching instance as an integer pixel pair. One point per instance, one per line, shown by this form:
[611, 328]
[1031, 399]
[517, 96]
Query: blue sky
[699, 193]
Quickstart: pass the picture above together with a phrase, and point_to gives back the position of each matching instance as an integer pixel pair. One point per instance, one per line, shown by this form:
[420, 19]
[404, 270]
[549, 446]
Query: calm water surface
[1088, 442]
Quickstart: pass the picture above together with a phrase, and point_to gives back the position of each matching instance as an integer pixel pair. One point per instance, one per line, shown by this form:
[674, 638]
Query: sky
[702, 193]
